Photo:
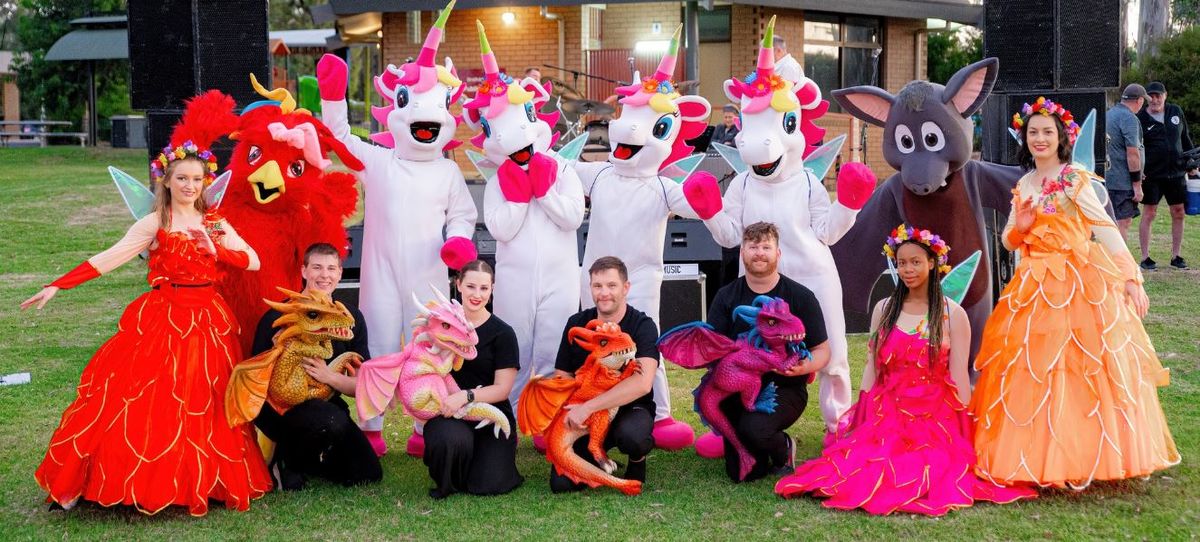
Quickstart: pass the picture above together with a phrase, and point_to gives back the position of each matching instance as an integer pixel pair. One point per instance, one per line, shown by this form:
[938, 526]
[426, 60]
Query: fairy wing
[540, 402]
[820, 160]
[482, 164]
[694, 345]
[569, 153]
[680, 169]
[138, 198]
[956, 282]
[216, 191]
[732, 157]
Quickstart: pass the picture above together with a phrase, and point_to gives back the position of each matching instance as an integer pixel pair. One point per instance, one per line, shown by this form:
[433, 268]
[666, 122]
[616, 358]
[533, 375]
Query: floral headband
[158, 166]
[935, 243]
[1046, 107]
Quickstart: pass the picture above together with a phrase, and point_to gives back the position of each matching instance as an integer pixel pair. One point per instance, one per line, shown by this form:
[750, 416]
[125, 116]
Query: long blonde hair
[162, 193]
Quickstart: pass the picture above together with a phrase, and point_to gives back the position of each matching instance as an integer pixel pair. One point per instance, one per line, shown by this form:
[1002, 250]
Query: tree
[1152, 25]
[948, 52]
[59, 89]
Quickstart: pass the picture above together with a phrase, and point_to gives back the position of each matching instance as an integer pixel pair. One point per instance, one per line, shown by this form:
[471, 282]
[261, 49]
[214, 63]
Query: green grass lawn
[58, 206]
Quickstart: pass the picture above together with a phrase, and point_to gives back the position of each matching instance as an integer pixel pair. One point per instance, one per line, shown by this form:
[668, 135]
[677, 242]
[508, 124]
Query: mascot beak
[268, 182]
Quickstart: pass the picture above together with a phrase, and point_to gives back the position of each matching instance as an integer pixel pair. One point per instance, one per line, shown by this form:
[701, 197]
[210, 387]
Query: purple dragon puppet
[775, 342]
[927, 139]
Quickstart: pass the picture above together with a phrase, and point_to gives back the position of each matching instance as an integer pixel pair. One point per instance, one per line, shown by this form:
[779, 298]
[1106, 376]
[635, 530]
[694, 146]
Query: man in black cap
[1123, 177]
[1166, 137]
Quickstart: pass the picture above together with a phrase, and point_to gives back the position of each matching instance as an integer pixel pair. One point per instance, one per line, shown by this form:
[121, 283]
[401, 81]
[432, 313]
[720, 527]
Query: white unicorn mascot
[634, 192]
[783, 186]
[533, 205]
[412, 193]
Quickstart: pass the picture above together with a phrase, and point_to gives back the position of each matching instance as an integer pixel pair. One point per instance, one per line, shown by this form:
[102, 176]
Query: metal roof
[91, 44]
[297, 39]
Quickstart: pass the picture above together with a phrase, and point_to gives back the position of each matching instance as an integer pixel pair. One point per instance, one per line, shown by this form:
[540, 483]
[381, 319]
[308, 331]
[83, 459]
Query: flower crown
[935, 243]
[1047, 108]
[158, 166]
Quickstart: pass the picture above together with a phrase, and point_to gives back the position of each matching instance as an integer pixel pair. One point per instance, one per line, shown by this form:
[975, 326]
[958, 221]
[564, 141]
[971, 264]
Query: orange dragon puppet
[541, 407]
[281, 198]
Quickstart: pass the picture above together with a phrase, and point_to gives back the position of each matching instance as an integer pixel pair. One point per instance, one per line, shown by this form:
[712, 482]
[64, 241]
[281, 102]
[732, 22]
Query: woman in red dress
[148, 428]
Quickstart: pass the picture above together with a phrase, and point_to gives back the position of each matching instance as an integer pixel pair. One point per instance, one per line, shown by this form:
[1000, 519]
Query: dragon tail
[561, 453]
[485, 414]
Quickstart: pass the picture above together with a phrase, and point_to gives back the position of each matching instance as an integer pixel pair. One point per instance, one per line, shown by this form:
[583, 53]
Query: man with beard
[763, 433]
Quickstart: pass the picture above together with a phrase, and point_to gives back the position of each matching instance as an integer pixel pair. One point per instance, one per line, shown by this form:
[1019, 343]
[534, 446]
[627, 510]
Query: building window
[714, 24]
[842, 51]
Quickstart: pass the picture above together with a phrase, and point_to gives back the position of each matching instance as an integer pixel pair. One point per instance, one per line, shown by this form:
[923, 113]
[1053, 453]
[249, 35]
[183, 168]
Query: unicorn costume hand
[533, 203]
[777, 135]
[412, 191]
[631, 200]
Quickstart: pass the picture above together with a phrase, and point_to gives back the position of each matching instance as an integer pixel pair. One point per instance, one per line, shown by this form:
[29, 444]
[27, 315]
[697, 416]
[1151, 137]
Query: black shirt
[497, 349]
[725, 135]
[640, 328]
[1165, 143]
[264, 339]
[802, 302]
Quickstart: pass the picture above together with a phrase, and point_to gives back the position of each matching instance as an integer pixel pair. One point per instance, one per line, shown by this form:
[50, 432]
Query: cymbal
[587, 107]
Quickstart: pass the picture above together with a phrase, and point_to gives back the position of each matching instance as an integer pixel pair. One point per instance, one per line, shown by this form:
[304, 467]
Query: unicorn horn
[490, 67]
[766, 54]
[429, 49]
[666, 67]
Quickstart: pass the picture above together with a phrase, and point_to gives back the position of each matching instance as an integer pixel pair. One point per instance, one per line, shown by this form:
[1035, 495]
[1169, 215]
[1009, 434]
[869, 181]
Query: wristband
[1135, 175]
[81, 274]
[470, 396]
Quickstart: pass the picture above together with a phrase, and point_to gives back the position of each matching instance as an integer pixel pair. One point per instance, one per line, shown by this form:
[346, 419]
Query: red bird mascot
[281, 199]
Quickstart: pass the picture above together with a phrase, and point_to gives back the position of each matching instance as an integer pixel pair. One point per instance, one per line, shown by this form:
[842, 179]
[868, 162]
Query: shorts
[1124, 208]
[1175, 190]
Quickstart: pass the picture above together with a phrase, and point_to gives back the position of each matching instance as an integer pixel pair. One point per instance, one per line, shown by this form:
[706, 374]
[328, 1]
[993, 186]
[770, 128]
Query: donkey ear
[866, 103]
[693, 108]
[967, 90]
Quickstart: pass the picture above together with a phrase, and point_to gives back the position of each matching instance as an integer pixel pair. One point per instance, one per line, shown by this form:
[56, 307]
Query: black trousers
[318, 438]
[462, 459]
[761, 433]
[631, 433]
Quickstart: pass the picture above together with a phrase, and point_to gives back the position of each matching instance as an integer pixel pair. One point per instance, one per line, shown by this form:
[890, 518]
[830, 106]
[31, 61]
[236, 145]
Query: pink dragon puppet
[783, 186]
[633, 194]
[532, 205]
[412, 192]
[419, 375]
[775, 342]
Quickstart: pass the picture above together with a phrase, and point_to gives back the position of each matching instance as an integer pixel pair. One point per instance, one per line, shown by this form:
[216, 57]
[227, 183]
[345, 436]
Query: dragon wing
[732, 157]
[694, 345]
[248, 387]
[375, 389]
[540, 402]
[822, 159]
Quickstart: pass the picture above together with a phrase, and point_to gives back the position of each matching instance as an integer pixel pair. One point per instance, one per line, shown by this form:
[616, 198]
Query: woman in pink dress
[906, 446]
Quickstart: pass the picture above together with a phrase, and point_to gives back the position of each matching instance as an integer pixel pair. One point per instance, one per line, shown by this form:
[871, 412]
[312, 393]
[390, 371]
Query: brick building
[839, 43]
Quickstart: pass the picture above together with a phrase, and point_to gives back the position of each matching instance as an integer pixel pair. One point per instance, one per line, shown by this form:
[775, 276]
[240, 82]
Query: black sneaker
[1178, 263]
[1150, 265]
[285, 478]
[790, 466]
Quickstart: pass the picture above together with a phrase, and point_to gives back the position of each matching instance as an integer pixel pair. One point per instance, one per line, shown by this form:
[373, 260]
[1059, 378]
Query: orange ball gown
[1067, 390]
[148, 427]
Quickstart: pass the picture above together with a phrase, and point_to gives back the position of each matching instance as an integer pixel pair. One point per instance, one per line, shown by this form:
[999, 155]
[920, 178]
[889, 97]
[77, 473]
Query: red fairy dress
[905, 446]
[1068, 378]
[148, 426]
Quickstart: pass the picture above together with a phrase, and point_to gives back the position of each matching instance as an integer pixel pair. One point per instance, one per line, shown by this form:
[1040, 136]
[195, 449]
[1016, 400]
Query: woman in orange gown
[148, 428]
[1067, 390]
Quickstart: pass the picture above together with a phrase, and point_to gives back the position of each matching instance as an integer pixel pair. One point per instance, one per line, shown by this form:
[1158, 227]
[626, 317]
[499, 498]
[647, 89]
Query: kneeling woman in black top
[461, 458]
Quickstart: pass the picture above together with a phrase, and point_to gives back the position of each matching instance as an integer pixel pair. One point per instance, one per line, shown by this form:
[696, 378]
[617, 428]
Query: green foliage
[948, 52]
[1177, 65]
[59, 90]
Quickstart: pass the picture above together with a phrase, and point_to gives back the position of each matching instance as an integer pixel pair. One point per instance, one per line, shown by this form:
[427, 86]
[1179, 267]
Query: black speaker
[683, 299]
[998, 144]
[1054, 44]
[160, 123]
[180, 48]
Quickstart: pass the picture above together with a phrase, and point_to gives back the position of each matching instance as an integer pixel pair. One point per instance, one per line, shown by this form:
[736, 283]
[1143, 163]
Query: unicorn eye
[487, 129]
[529, 114]
[789, 122]
[932, 136]
[401, 97]
[904, 139]
[254, 155]
[662, 128]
